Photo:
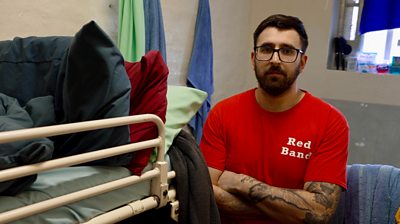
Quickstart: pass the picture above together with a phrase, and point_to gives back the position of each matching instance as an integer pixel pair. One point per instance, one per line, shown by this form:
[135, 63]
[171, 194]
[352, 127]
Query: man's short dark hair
[283, 22]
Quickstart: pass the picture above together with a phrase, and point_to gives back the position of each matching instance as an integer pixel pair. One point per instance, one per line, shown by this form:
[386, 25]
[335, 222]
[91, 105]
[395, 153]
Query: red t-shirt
[308, 142]
[284, 149]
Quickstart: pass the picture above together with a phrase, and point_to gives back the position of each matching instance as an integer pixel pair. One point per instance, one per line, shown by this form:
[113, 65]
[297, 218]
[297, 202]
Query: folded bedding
[92, 84]
[81, 78]
[13, 117]
[86, 78]
[148, 79]
[372, 196]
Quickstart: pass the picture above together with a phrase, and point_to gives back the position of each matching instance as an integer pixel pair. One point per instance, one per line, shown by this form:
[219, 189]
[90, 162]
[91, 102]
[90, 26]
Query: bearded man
[276, 153]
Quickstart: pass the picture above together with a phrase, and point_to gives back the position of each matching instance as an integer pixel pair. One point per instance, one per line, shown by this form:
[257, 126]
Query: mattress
[60, 181]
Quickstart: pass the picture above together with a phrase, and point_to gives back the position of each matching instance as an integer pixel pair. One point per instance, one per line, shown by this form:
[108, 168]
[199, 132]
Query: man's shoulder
[324, 107]
[237, 98]
[318, 101]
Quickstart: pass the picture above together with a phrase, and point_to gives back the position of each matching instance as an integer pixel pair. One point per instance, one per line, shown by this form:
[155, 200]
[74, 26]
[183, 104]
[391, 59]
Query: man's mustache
[275, 70]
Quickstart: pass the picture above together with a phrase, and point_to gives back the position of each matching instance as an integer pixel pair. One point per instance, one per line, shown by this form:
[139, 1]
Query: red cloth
[148, 80]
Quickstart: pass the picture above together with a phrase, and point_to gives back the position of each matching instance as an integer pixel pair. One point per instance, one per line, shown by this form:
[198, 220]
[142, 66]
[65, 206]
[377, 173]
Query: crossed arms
[241, 196]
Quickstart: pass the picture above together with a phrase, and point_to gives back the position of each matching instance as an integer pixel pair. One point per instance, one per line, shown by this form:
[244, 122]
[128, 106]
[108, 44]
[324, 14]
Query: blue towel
[372, 196]
[352, 195]
[200, 74]
[394, 192]
[367, 188]
[154, 27]
[380, 15]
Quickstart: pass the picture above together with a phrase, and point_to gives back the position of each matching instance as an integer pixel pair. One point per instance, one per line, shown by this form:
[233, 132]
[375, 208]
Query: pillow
[183, 104]
[92, 84]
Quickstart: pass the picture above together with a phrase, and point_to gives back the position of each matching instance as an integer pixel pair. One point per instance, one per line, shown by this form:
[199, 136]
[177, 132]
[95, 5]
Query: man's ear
[303, 62]
[253, 55]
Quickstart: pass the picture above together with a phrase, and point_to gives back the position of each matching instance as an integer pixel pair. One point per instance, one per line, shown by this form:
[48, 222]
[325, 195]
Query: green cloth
[131, 29]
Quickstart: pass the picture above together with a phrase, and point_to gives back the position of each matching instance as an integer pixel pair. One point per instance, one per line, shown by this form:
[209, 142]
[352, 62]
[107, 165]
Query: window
[382, 44]
[385, 43]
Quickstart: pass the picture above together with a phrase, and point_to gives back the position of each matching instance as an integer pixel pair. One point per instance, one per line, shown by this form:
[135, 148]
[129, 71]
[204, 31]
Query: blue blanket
[59, 80]
[373, 195]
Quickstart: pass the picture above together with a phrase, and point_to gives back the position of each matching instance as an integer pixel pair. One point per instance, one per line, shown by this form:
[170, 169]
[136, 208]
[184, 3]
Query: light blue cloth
[372, 196]
[368, 176]
[352, 194]
[154, 27]
[387, 194]
[200, 74]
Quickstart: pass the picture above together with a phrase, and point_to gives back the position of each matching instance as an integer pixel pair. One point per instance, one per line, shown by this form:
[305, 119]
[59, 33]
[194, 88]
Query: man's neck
[279, 103]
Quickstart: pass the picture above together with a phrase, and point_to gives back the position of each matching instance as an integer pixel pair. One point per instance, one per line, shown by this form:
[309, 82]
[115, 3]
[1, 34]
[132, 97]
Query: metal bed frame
[159, 175]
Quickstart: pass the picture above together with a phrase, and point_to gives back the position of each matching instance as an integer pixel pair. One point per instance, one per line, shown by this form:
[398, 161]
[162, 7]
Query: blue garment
[380, 15]
[368, 176]
[352, 194]
[372, 196]
[154, 27]
[200, 74]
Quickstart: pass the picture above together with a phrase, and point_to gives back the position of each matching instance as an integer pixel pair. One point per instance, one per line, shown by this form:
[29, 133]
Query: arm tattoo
[247, 179]
[326, 194]
[257, 193]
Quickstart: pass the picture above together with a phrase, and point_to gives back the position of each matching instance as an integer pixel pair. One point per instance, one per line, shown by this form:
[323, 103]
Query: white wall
[233, 22]
[231, 35]
[55, 17]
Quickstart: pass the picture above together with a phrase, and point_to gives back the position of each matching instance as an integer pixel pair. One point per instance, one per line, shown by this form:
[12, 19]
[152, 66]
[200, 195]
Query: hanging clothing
[131, 29]
[154, 27]
[194, 190]
[200, 74]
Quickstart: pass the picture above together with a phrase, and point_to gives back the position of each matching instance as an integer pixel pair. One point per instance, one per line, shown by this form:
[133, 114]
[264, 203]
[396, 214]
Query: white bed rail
[159, 175]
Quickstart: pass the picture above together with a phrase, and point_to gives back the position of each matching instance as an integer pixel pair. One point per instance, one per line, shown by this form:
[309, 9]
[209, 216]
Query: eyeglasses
[285, 54]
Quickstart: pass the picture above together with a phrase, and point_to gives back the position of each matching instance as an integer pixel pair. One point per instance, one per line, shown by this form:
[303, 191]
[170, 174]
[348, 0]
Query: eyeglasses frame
[279, 56]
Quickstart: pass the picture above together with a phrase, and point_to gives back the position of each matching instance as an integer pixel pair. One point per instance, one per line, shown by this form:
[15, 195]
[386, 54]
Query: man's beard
[277, 84]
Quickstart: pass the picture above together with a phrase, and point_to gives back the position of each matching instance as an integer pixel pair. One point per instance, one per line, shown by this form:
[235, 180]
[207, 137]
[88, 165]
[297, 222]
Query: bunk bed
[87, 137]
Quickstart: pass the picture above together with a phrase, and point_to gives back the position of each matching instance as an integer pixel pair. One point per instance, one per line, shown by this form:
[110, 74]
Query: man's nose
[275, 57]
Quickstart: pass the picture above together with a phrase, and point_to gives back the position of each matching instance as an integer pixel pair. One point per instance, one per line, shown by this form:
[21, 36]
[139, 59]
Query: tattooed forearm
[315, 203]
[254, 192]
[317, 206]
[248, 179]
[326, 194]
[259, 192]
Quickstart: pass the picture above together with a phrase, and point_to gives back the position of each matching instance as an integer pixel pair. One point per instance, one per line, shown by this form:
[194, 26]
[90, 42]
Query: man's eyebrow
[288, 45]
[266, 44]
[269, 44]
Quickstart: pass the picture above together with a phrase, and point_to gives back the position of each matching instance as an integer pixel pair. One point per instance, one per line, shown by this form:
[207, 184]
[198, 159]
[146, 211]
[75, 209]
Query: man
[276, 153]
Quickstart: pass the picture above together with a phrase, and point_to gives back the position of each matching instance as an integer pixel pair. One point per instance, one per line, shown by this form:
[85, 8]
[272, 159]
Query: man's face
[274, 76]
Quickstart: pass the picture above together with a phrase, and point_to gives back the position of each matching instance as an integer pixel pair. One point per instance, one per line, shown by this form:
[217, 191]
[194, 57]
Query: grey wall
[374, 132]
[55, 17]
